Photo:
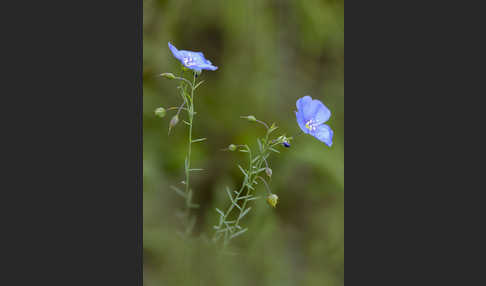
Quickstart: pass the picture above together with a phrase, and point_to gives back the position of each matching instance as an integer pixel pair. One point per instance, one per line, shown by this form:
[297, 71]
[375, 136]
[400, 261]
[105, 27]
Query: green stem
[188, 158]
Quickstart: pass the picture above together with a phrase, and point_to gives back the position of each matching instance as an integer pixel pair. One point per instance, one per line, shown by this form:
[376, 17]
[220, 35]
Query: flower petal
[324, 133]
[303, 101]
[208, 67]
[175, 52]
[322, 114]
[301, 121]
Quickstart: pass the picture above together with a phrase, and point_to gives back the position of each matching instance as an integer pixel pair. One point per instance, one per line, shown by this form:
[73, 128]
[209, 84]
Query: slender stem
[188, 158]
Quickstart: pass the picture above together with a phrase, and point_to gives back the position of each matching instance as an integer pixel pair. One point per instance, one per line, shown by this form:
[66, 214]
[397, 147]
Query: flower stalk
[229, 225]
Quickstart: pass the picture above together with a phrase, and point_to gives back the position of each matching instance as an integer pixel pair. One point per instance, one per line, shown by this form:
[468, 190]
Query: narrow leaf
[255, 159]
[220, 212]
[238, 233]
[259, 170]
[198, 84]
[178, 191]
[274, 150]
[243, 171]
[198, 140]
[245, 212]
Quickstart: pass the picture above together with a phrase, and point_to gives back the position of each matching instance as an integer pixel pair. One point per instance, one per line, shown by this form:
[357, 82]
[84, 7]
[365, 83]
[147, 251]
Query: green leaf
[244, 212]
[260, 146]
[220, 212]
[238, 233]
[198, 84]
[243, 171]
[259, 171]
[178, 191]
[198, 140]
[274, 150]
[229, 194]
[255, 159]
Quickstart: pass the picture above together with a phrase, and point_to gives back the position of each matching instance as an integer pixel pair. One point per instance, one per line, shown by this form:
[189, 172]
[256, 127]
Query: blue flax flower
[311, 115]
[192, 60]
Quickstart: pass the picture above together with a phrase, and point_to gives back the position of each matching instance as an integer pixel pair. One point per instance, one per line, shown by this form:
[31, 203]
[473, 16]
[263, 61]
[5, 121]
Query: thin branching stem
[187, 165]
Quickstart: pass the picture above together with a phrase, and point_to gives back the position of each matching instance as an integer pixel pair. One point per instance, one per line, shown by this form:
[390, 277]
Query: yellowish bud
[272, 200]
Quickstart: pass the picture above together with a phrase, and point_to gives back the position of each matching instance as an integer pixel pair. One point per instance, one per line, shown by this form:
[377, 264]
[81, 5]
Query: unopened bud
[250, 118]
[173, 122]
[160, 112]
[269, 172]
[168, 75]
[272, 200]
[232, 147]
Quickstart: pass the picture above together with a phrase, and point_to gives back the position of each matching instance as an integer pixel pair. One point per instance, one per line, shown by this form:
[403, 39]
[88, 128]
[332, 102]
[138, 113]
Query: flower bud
[168, 75]
[250, 118]
[160, 112]
[232, 147]
[268, 171]
[173, 122]
[272, 200]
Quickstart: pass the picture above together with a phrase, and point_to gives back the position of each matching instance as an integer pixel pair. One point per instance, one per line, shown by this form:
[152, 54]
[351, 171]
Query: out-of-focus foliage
[269, 53]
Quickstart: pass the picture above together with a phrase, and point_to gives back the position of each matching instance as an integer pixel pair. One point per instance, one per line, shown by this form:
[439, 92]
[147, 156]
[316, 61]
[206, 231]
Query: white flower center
[311, 125]
[189, 61]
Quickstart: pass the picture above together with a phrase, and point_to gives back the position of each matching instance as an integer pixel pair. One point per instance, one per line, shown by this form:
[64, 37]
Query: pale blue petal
[301, 121]
[323, 113]
[324, 133]
[301, 102]
[175, 52]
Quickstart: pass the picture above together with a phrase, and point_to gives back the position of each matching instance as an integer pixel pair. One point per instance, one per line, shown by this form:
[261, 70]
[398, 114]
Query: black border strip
[140, 143]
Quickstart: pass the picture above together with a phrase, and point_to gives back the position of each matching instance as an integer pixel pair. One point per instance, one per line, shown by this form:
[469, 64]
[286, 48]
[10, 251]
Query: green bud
[173, 122]
[269, 172]
[250, 118]
[168, 75]
[232, 147]
[272, 200]
[160, 112]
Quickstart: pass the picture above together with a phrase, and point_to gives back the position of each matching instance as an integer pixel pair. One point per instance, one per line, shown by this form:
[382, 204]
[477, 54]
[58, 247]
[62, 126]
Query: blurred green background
[269, 53]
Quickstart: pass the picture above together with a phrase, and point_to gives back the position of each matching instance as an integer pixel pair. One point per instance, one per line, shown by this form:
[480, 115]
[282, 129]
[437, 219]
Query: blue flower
[311, 115]
[192, 60]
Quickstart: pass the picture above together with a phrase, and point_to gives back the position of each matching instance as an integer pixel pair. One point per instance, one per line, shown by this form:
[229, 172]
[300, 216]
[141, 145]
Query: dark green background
[269, 54]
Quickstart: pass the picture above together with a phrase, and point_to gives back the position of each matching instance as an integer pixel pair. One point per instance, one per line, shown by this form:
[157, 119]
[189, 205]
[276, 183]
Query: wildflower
[311, 115]
[272, 200]
[160, 112]
[192, 60]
